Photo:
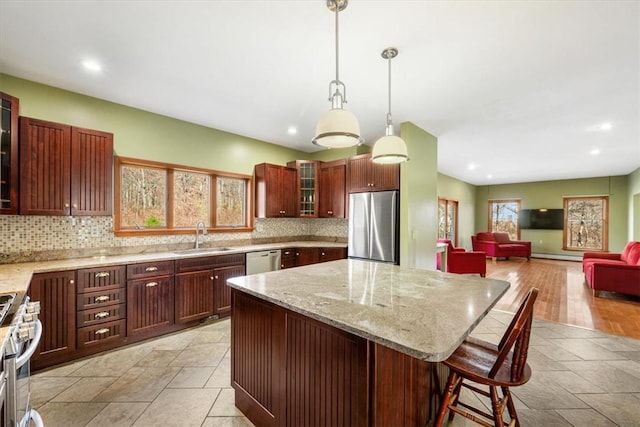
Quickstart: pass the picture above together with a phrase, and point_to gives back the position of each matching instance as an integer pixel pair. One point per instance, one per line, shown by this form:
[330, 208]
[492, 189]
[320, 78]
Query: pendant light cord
[389, 120]
[337, 44]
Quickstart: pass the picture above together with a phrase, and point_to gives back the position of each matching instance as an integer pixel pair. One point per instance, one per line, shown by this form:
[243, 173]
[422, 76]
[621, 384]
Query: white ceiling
[516, 88]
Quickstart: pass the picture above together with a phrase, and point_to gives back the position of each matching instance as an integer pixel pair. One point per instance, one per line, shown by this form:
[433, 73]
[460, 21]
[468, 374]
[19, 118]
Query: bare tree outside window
[191, 199]
[448, 220]
[143, 193]
[586, 223]
[503, 217]
[231, 202]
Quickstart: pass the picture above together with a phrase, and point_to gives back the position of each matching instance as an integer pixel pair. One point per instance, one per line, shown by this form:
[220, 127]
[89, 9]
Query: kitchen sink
[201, 251]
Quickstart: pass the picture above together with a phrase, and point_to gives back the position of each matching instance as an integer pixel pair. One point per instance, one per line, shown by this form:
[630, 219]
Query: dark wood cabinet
[288, 258]
[332, 254]
[364, 175]
[9, 154]
[101, 307]
[306, 187]
[333, 190]
[57, 295]
[222, 291]
[64, 170]
[150, 299]
[307, 256]
[194, 295]
[275, 191]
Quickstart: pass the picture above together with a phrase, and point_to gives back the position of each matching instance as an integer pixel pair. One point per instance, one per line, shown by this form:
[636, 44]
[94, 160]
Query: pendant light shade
[390, 148]
[337, 128]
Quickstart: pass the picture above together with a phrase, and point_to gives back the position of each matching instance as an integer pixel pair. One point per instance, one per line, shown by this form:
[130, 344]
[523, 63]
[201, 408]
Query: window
[448, 220]
[586, 223]
[503, 217]
[160, 198]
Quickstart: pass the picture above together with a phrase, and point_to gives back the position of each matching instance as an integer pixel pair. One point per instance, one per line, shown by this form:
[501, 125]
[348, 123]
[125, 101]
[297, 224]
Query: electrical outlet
[259, 228]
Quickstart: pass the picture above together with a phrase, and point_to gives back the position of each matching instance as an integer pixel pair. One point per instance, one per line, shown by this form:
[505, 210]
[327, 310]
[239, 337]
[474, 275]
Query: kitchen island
[349, 342]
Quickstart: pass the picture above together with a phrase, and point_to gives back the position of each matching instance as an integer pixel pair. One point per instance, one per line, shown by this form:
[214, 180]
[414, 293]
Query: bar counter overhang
[349, 342]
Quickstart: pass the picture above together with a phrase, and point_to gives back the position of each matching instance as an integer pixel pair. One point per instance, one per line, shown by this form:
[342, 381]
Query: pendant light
[390, 148]
[337, 128]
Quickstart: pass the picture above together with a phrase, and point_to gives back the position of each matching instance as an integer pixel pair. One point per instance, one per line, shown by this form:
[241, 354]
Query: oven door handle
[33, 345]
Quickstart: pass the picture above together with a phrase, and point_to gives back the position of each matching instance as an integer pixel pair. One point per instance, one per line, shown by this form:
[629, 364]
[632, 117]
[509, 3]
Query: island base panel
[288, 369]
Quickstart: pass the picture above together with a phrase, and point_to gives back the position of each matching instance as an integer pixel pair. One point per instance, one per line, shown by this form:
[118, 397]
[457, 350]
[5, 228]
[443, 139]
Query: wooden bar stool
[493, 366]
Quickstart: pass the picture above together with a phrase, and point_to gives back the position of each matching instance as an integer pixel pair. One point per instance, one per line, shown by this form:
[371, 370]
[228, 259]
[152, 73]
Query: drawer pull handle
[102, 274]
[154, 268]
[151, 284]
[102, 331]
[103, 298]
[101, 315]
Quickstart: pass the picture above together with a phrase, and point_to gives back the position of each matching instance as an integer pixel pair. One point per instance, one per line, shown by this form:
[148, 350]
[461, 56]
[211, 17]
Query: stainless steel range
[25, 331]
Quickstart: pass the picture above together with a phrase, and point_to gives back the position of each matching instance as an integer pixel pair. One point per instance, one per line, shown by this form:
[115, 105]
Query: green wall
[465, 194]
[418, 198]
[549, 194]
[145, 135]
[634, 205]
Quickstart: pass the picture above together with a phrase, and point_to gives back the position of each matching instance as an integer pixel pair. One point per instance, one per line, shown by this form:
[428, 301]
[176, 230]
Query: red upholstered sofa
[604, 271]
[463, 262]
[498, 245]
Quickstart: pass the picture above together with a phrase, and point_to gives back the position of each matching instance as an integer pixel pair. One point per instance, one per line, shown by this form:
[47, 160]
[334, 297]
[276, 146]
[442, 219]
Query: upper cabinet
[64, 170]
[364, 175]
[275, 190]
[306, 187]
[332, 192]
[9, 155]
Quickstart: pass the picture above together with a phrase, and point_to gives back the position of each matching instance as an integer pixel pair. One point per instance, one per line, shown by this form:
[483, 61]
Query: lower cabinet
[288, 259]
[194, 295]
[57, 295]
[307, 256]
[150, 307]
[222, 291]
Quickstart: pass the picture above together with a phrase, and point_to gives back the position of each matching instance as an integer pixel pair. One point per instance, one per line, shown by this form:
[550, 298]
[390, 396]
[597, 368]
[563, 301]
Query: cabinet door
[149, 305]
[273, 191]
[45, 170]
[194, 296]
[333, 190]
[222, 291]
[289, 198]
[359, 173]
[288, 259]
[306, 256]
[57, 296]
[9, 155]
[91, 172]
[385, 177]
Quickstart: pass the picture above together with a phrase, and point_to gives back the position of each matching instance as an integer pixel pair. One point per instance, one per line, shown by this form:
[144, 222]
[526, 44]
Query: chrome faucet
[200, 224]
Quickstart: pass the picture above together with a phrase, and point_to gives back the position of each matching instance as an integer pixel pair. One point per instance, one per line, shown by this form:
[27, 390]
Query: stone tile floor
[580, 378]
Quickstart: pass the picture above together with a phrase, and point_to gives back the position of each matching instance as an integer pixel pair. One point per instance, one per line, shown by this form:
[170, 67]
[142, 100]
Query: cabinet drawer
[99, 299]
[99, 315]
[101, 278]
[103, 335]
[149, 269]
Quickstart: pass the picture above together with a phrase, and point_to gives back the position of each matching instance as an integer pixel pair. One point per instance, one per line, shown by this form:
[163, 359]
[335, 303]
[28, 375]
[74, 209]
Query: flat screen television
[541, 219]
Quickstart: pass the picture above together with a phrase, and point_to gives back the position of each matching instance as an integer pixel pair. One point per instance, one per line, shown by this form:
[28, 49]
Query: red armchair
[613, 272]
[463, 262]
[498, 245]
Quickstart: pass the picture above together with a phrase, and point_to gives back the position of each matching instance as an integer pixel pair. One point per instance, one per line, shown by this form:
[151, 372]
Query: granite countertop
[15, 278]
[423, 313]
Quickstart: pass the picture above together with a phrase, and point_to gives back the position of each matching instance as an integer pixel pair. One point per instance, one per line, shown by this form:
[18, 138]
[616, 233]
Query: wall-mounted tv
[541, 219]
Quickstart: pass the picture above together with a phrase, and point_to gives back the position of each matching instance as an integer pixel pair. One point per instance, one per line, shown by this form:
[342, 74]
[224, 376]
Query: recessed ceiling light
[471, 166]
[489, 176]
[595, 152]
[292, 130]
[91, 65]
[606, 126]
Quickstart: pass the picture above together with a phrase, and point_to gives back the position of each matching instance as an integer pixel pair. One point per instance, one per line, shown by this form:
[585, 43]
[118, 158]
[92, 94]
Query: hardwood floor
[565, 297]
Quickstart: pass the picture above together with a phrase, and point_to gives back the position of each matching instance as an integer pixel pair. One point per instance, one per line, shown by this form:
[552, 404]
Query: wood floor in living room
[564, 296]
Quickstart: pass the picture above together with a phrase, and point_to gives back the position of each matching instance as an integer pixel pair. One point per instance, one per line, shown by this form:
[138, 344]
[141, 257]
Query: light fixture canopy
[390, 148]
[337, 128]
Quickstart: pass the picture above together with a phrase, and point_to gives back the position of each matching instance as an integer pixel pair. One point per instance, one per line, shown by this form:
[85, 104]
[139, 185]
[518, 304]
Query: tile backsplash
[34, 238]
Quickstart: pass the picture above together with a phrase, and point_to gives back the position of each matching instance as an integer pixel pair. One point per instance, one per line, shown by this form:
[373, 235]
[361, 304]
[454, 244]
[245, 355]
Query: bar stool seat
[495, 366]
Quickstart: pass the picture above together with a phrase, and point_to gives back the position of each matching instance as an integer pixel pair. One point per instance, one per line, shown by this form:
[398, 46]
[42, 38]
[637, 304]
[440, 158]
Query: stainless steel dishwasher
[263, 261]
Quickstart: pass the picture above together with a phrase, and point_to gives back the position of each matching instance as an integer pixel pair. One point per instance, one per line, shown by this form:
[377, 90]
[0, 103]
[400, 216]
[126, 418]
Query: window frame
[447, 203]
[605, 223]
[169, 229]
[490, 203]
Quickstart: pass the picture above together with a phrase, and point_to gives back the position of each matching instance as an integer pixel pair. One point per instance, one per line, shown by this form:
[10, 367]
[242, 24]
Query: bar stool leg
[495, 405]
[511, 406]
[448, 393]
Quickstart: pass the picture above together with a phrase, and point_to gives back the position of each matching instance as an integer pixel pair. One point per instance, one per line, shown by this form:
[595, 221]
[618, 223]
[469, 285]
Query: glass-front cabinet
[307, 187]
[9, 155]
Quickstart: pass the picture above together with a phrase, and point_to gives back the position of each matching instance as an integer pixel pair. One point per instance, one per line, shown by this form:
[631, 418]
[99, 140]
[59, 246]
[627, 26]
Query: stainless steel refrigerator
[374, 226]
